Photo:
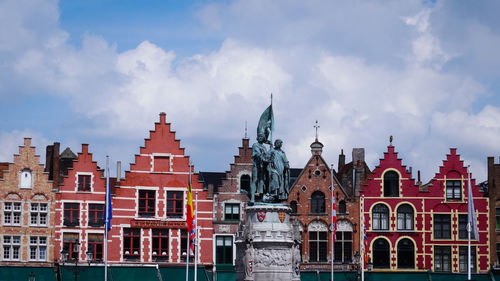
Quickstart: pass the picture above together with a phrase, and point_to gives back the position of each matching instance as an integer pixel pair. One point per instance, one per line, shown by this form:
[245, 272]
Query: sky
[101, 71]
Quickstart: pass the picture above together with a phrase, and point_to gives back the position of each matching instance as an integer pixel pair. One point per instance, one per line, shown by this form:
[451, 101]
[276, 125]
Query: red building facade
[415, 227]
[80, 211]
[149, 205]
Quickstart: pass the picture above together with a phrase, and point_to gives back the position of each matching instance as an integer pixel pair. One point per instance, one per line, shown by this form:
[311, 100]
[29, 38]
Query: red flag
[191, 222]
[334, 219]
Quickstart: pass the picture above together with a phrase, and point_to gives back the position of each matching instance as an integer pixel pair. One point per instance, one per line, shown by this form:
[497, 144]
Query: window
[147, 203]
[391, 184]
[224, 250]
[343, 247]
[454, 190]
[160, 244]
[318, 246]
[12, 213]
[406, 254]
[131, 244]
[174, 204]
[318, 203]
[83, 182]
[462, 227]
[342, 207]
[405, 217]
[96, 215]
[69, 239]
[25, 179]
[38, 214]
[498, 252]
[184, 243]
[293, 206]
[442, 226]
[245, 184]
[71, 214]
[462, 259]
[442, 258]
[498, 219]
[380, 219]
[232, 212]
[96, 245]
[11, 246]
[381, 256]
[38, 248]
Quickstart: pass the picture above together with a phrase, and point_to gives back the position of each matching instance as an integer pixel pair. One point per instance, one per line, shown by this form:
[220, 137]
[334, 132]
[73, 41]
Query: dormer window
[454, 190]
[84, 182]
[25, 179]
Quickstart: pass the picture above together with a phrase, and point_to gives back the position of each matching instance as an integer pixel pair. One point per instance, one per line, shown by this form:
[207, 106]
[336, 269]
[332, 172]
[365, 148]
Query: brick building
[149, 211]
[415, 227]
[27, 210]
[80, 210]
[309, 199]
[494, 207]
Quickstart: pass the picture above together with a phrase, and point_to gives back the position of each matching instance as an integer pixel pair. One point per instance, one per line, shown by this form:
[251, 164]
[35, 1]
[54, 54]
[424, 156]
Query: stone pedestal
[267, 245]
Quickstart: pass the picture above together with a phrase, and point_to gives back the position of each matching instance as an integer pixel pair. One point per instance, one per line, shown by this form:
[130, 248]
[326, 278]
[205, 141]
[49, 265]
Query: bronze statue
[279, 172]
[259, 161]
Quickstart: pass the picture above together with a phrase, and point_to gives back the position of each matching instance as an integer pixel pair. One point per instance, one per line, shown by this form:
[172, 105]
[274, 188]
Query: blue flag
[108, 212]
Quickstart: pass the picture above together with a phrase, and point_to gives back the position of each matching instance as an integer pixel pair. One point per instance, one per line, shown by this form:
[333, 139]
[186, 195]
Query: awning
[16, 273]
[179, 273]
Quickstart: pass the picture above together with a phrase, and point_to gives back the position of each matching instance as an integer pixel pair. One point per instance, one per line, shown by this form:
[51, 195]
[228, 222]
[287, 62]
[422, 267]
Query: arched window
[380, 217]
[293, 206]
[405, 217]
[381, 256]
[318, 241]
[318, 202]
[245, 184]
[342, 207]
[406, 254]
[25, 179]
[391, 184]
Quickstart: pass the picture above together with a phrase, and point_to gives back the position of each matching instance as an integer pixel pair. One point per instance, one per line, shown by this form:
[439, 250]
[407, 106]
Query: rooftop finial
[390, 140]
[271, 98]
[246, 135]
[316, 127]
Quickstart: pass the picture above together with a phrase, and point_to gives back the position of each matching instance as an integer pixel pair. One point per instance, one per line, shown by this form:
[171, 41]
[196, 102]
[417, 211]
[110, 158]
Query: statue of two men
[270, 172]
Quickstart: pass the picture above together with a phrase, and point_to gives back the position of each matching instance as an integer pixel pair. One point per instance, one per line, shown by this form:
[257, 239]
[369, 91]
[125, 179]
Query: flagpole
[188, 233]
[469, 227]
[362, 238]
[196, 239]
[333, 227]
[106, 205]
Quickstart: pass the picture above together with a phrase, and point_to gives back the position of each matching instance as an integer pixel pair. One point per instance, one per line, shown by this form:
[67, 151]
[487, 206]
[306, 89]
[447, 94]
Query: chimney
[341, 160]
[118, 171]
[419, 182]
[52, 163]
[163, 117]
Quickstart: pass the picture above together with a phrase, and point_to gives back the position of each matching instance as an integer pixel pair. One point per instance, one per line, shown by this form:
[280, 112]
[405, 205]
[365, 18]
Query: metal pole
[188, 235]
[107, 221]
[196, 239]
[469, 228]
[362, 239]
[333, 227]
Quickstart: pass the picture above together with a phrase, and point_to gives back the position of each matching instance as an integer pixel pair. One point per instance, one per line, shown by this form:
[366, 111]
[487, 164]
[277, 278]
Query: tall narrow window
[147, 203]
[71, 214]
[442, 258]
[380, 219]
[318, 246]
[232, 212]
[131, 244]
[406, 254]
[405, 217]
[342, 207]
[497, 210]
[38, 248]
[391, 184]
[96, 215]
[462, 227]
[160, 245]
[11, 248]
[343, 247]
[442, 226]
[462, 259]
[12, 213]
[70, 239]
[96, 245]
[454, 190]
[381, 254]
[224, 250]
[38, 214]
[318, 202]
[245, 184]
[174, 204]
[84, 182]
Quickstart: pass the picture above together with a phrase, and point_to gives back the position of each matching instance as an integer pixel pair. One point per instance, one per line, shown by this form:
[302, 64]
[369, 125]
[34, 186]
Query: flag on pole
[191, 222]
[334, 218]
[108, 213]
[471, 215]
[365, 238]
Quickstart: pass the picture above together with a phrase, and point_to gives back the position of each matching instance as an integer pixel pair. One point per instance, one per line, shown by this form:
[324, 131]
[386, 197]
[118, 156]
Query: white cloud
[10, 142]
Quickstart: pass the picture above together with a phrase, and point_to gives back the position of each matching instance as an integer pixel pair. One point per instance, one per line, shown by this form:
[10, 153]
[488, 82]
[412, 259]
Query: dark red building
[415, 227]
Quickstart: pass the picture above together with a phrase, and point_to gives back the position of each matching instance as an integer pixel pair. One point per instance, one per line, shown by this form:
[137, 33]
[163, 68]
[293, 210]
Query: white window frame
[36, 244]
[38, 212]
[91, 181]
[9, 211]
[11, 246]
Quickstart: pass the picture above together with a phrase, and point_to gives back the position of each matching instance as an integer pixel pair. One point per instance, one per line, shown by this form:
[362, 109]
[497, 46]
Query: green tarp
[179, 273]
[226, 276]
[458, 277]
[21, 273]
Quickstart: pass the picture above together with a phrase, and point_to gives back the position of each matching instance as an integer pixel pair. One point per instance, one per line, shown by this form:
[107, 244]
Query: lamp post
[31, 277]
[75, 249]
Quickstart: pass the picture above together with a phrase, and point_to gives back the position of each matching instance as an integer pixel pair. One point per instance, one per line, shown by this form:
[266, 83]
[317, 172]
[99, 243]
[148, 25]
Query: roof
[294, 174]
[67, 153]
[214, 178]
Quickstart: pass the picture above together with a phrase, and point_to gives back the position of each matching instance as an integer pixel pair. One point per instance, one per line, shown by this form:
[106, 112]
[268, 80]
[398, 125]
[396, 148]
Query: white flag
[471, 212]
